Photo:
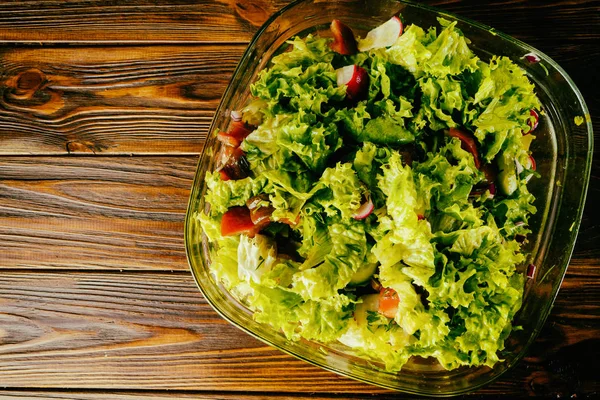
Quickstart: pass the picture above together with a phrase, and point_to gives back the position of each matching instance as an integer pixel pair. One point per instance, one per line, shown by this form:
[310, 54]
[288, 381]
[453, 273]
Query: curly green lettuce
[377, 185]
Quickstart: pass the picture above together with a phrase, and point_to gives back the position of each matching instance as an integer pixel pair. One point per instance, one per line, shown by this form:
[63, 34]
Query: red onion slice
[530, 271]
[235, 115]
[533, 125]
[533, 165]
[492, 189]
[364, 210]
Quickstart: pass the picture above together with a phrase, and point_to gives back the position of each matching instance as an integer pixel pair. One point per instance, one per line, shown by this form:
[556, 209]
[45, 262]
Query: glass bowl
[563, 152]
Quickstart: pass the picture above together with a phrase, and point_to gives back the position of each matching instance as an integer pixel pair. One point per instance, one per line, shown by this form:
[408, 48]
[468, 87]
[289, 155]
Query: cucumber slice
[363, 275]
[507, 178]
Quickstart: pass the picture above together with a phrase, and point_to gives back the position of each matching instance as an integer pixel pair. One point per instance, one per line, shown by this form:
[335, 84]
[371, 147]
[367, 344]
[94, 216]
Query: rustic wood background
[104, 108]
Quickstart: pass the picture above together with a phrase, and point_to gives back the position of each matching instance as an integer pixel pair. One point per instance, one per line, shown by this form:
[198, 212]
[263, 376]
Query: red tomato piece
[224, 175]
[227, 139]
[467, 143]
[238, 131]
[236, 221]
[260, 214]
[388, 302]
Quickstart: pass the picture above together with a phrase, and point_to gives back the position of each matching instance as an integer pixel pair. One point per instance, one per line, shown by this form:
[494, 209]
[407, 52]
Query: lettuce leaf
[221, 195]
[342, 193]
[429, 53]
[504, 98]
[349, 252]
[445, 180]
[443, 100]
[408, 238]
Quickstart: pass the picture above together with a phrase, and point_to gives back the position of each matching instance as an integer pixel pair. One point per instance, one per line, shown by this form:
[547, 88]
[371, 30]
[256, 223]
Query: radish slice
[356, 80]
[532, 58]
[364, 210]
[492, 189]
[384, 35]
[344, 74]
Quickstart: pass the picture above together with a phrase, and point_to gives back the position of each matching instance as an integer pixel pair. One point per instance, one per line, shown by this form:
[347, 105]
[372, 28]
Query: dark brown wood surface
[104, 108]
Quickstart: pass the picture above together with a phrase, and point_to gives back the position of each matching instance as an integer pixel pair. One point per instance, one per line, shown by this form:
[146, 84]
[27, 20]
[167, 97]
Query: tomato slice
[260, 213]
[236, 221]
[228, 140]
[467, 143]
[238, 131]
[224, 175]
[388, 302]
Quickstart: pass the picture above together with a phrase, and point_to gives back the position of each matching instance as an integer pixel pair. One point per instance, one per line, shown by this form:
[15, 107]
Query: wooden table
[104, 109]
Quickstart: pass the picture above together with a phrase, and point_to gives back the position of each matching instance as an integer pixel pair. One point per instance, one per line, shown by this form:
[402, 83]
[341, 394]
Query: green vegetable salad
[384, 207]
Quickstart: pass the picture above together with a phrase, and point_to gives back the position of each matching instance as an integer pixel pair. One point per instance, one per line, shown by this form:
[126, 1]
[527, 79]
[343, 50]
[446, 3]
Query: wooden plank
[117, 100]
[126, 21]
[236, 21]
[200, 395]
[154, 331]
[94, 212]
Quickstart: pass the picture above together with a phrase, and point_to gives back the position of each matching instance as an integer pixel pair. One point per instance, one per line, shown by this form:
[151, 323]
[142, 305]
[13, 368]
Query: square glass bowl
[563, 152]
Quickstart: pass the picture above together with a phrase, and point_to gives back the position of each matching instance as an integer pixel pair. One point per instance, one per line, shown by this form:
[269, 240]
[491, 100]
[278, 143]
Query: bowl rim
[577, 222]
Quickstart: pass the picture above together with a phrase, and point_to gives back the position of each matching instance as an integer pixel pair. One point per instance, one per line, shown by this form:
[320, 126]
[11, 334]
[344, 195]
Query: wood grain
[126, 331]
[124, 21]
[74, 21]
[116, 100]
[94, 212]
[169, 395]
